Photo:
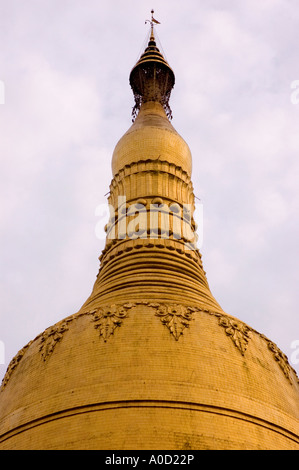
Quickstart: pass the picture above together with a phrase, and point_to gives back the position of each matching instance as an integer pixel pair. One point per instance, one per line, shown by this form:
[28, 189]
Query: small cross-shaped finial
[153, 20]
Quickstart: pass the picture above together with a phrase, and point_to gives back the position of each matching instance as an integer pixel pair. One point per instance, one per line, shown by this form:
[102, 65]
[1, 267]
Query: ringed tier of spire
[151, 167]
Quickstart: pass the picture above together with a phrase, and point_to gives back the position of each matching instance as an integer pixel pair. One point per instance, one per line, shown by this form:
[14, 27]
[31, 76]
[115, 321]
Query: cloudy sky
[65, 66]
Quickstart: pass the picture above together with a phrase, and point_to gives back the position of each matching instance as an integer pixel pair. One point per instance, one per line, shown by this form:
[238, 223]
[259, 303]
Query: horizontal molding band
[188, 406]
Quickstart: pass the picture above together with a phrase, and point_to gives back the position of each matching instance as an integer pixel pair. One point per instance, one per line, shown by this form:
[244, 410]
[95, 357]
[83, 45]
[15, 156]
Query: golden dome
[124, 377]
[151, 136]
[151, 360]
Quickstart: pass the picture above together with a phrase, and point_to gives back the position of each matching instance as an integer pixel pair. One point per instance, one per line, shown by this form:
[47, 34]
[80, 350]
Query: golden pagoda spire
[151, 235]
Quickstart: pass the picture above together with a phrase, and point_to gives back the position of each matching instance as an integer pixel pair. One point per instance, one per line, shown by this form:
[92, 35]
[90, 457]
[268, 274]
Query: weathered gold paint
[152, 136]
[150, 361]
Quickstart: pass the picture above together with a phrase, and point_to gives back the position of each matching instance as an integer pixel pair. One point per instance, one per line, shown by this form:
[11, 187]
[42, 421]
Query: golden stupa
[151, 361]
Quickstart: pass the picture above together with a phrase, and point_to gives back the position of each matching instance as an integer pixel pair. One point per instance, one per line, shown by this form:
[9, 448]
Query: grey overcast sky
[65, 66]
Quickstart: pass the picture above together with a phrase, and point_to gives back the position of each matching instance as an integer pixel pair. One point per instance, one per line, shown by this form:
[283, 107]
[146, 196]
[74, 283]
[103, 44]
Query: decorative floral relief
[51, 337]
[282, 360]
[175, 317]
[13, 364]
[239, 332]
[108, 318]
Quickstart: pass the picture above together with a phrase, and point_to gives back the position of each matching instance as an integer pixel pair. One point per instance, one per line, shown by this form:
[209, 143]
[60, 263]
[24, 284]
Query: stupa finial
[151, 78]
[152, 21]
